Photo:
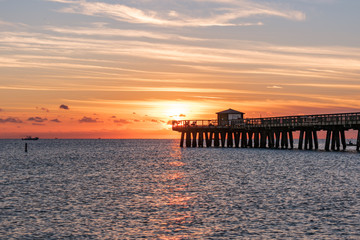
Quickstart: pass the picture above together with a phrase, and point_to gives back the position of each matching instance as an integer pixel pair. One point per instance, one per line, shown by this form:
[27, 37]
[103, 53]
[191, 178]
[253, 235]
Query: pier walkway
[271, 132]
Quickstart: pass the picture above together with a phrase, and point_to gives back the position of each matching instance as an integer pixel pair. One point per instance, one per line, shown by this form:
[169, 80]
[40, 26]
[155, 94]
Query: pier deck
[271, 132]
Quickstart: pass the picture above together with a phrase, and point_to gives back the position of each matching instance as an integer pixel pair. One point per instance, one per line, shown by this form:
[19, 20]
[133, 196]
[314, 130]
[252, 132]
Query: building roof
[230, 111]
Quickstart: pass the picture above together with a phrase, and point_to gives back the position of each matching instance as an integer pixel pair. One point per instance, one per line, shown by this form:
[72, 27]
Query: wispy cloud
[61, 1]
[55, 120]
[38, 124]
[2, 23]
[121, 122]
[112, 32]
[11, 24]
[43, 109]
[88, 120]
[37, 119]
[326, 85]
[226, 13]
[323, 59]
[274, 87]
[131, 89]
[10, 120]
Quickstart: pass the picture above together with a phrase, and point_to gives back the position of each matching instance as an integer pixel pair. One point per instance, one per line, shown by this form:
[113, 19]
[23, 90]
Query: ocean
[152, 189]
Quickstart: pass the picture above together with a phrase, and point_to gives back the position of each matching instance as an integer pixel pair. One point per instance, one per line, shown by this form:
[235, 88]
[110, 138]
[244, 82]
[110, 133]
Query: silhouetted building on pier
[225, 117]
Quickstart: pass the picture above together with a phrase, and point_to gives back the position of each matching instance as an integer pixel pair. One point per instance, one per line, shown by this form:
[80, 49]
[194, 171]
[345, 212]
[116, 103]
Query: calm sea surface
[152, 189]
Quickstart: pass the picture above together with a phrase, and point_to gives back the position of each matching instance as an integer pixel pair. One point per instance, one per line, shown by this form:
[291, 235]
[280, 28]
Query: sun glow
[177, 111]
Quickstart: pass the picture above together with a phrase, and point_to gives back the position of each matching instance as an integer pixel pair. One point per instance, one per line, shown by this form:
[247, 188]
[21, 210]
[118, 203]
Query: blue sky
[113, 58]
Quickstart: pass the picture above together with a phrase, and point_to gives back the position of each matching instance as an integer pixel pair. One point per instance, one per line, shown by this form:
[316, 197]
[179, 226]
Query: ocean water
[152, 189]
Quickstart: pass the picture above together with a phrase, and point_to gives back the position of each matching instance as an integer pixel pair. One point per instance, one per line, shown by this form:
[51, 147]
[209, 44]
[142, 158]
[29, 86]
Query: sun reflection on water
[176, 164]
[174, 176]
[176, 216]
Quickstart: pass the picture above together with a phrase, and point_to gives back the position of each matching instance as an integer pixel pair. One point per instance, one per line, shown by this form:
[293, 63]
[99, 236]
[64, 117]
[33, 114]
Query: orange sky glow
[99, 69]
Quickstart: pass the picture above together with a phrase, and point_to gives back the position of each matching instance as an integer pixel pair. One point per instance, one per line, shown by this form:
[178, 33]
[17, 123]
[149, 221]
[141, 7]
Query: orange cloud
[62, 106]
[55, 120]
[88, 120]
[37, 119]
[10, 120]
[122, 121]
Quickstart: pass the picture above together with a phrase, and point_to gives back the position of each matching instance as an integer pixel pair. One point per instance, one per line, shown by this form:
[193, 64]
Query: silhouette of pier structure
[231, 129]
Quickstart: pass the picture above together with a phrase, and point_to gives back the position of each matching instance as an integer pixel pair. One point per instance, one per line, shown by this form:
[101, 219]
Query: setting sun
[177, 111]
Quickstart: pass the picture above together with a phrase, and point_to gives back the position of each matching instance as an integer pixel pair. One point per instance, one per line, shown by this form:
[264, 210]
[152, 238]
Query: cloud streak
[112, 32]
[10, 120]
[121, 122]
[191, 61]
[255, 53]
[37, 119]
[88, 120]
[43, 109]
[227, 13]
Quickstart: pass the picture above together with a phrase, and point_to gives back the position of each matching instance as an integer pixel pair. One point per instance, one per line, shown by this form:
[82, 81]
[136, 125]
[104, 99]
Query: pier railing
[194, 123]
[305, 120]
[321, 120]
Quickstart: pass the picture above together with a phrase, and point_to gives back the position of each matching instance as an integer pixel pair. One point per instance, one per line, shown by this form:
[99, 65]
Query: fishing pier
[231, 129]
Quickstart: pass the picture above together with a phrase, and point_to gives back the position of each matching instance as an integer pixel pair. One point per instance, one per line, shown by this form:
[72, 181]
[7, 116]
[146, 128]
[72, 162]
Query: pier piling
[201, 139]
[277, 143]
[301, 139]
[250, 135]
[216, 139]
[256, 139]
[283, 139]
[182, 139]
[333, 141]
[223, 136]
[243, 140]
[188, 139]
[343, 139]
[358, 141]
[194, 134]
[310, 133]
[270, 137]
[237, 138]
[316, 142]
[291, 140]
[337, 139]
[263, 139]
[230, 139]
[327, 141]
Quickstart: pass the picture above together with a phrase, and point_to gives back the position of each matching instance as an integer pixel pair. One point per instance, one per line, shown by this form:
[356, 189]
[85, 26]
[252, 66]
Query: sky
[124, 69]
